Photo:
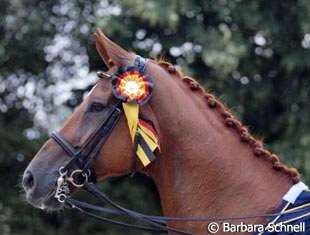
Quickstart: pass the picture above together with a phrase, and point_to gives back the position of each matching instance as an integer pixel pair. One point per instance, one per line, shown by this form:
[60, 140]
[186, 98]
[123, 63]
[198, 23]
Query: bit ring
[71, 178]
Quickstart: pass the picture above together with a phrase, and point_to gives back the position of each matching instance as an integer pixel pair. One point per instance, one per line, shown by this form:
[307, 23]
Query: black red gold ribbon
[134, 88]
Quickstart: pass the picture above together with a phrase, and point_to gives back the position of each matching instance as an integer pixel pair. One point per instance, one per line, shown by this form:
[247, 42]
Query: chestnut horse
[208, 163]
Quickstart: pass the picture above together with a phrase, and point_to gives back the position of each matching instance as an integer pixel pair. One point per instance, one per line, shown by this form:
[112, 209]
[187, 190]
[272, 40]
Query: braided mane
[231, 122]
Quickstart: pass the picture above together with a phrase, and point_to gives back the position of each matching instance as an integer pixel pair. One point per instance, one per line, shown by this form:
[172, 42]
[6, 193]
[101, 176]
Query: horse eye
[96, 107]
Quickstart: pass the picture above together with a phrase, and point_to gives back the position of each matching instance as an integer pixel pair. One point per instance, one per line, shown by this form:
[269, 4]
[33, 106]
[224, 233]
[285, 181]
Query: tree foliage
[253, 54]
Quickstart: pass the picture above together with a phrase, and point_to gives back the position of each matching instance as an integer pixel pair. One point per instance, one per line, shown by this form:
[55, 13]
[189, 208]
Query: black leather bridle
[84, 156]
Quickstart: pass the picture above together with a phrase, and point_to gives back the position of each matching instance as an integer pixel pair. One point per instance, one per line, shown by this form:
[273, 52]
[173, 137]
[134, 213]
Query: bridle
[85, 155]
[84, 177]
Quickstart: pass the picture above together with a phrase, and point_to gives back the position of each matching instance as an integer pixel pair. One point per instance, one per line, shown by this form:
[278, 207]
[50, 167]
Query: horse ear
[110, 52]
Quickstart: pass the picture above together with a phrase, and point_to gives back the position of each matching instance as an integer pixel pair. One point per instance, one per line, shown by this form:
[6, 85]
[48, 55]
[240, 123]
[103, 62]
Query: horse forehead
[101, 86]
[92, 90]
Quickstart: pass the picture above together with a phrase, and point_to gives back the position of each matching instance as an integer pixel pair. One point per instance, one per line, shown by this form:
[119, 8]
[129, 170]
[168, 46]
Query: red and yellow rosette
[134, 88]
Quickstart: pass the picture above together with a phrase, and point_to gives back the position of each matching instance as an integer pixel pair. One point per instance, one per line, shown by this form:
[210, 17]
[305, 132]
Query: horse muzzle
[40, 193]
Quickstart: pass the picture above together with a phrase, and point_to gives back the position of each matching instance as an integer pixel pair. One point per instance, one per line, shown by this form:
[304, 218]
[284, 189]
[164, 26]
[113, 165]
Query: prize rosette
[132, 86]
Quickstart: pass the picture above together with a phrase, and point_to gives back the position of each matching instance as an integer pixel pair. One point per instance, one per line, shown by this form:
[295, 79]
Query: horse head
[116, 155]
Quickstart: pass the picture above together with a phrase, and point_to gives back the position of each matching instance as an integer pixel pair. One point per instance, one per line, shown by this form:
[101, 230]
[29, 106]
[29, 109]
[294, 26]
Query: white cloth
[294, 192]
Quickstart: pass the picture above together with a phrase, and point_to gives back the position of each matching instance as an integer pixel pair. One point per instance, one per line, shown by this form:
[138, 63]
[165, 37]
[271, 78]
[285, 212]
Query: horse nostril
[28, 180]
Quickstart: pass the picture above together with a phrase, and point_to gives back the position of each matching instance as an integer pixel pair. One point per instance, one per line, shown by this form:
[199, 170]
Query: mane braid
[231, 122]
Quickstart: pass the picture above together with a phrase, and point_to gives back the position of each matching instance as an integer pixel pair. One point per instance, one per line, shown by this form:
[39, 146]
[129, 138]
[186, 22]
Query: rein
[159, 222]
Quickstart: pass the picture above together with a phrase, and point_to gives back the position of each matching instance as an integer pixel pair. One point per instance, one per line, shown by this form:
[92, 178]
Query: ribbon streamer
[134, 88]
[147, 142]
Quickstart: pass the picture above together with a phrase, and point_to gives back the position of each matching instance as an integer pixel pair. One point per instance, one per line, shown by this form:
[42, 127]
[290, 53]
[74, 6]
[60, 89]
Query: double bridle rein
[79, 173]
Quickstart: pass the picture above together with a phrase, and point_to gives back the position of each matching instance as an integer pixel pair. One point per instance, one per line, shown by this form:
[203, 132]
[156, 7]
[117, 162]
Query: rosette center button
[132, 87]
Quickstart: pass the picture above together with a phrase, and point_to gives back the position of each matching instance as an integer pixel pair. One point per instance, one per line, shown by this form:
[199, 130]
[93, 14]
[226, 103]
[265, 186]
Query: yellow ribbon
[131, 111]
[132, 115]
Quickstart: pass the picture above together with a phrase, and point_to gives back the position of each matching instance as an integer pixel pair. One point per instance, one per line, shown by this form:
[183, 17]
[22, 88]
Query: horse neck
[203, 168]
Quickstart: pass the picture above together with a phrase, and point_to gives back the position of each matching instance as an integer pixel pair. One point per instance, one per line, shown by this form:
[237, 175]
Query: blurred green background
[253, 54]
